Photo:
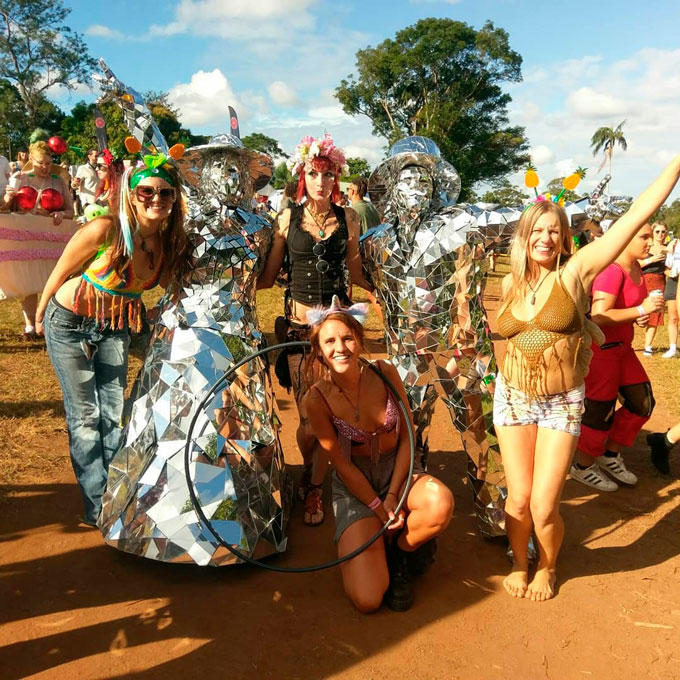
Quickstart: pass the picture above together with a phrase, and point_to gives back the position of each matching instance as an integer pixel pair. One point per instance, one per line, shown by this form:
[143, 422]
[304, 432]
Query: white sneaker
[592, 476]
[616, 468]
[669, 353]
[647, 352]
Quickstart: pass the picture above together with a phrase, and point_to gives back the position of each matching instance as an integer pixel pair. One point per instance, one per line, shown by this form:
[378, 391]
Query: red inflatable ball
[26, 198]
[57, 144]
[51, 200]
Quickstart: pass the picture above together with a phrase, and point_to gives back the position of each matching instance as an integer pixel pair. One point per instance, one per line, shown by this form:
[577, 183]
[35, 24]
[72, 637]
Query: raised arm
[354, 263]
[590, 260]
[81, 247]
[277, 252]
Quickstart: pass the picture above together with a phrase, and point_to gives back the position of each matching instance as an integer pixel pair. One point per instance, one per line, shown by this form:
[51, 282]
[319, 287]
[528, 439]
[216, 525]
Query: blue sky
[586, 64]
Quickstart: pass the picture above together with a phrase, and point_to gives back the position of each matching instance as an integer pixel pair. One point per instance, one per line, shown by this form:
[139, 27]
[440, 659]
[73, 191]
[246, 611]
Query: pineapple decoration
[531, 178]
[571, 182]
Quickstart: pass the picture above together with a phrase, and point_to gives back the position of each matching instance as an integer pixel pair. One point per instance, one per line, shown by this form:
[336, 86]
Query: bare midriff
[559, 372]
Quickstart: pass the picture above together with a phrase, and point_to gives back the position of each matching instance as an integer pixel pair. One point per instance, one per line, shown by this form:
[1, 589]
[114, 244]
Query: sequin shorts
[561, 411]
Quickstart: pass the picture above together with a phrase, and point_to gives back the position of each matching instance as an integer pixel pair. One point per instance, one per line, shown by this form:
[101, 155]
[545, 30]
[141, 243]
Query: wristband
[641, 310]
[376, 502]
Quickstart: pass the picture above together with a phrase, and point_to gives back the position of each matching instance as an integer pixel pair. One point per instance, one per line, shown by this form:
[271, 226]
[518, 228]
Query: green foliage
[38, 51]
[607, 138]
[442, 79]
[265, 144]
[358, 167]
[281, 176]
[670, 216]
[506, 195]
[15, 125]
[555, 186]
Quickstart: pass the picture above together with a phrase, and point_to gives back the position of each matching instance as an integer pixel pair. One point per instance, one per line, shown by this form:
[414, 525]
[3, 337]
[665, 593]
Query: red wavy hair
[320, 164]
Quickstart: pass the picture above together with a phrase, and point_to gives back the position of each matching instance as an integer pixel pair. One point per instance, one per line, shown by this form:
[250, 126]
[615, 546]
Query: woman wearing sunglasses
[653, 269]
[319, 243]
[40, 191]
[91, 302]
[109, 171]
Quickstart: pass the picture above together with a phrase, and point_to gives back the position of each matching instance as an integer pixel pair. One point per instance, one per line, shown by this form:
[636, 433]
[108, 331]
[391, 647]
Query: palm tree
[606, 138]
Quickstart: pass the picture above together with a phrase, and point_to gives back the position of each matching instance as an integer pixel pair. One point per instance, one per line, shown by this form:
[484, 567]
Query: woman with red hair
[318, 242]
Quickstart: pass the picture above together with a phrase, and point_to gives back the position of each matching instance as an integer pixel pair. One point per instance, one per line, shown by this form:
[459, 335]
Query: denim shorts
[561, 411]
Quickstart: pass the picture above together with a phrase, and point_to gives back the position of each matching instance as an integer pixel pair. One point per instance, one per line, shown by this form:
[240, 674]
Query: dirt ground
[71, 607]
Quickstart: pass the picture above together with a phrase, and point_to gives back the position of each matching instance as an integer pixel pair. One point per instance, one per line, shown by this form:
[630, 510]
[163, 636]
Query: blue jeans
[91, 365]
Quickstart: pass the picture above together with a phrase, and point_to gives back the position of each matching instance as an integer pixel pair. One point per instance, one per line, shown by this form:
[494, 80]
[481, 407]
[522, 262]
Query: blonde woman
[653, 268]
[540, 389]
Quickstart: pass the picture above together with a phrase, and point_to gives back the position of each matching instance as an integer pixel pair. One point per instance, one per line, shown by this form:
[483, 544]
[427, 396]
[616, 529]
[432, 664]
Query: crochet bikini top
[558, 318]
[350, 435]
[101, 283]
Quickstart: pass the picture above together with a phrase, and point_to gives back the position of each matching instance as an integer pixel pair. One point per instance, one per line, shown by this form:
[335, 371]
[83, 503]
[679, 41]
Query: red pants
[614, 373]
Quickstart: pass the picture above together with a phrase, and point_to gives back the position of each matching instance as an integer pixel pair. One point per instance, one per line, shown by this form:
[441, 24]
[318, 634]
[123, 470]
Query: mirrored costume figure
[206, 323]
[426, 262]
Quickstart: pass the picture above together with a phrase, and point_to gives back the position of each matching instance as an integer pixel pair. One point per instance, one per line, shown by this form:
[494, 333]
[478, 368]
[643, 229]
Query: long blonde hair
[520, 268]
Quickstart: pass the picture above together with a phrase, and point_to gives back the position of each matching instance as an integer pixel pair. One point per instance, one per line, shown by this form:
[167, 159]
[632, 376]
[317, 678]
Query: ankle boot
[399, 596]
[660, 448]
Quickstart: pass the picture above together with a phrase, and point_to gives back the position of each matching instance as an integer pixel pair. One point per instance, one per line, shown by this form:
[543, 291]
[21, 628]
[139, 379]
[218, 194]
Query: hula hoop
[195, 500]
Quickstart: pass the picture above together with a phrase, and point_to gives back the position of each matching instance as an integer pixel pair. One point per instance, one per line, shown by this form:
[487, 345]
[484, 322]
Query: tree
[15, 126]
[281, 176]
[38, 51]
[606, 138]
[506, 195]
[358, 167]
[670, 216]
[268, 145]
[555, 187]
[442, 79]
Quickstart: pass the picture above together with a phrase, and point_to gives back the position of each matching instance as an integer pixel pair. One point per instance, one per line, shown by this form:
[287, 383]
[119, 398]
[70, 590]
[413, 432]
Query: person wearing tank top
[318, 243]
[91, 302]
[363, 432]
[654, 271]
[671, 296]
[620, 299]
[540, 388]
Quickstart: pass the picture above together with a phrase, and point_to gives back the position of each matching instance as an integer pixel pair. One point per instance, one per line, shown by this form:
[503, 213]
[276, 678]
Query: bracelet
[376, 502]
[641, 310]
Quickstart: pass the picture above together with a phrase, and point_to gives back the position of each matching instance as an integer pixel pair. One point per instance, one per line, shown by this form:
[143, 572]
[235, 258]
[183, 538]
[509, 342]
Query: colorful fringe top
[100, 282]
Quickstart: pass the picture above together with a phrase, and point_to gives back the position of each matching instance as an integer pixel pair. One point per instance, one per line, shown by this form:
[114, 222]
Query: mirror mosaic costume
[427, 263]
[206, 323]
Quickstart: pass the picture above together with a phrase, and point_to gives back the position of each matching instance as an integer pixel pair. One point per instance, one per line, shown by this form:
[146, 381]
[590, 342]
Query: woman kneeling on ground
[540, 389]
[91, 302]
[359, 425]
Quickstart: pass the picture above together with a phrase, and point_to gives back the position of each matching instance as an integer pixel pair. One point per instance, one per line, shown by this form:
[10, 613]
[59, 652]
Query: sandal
[314, 514]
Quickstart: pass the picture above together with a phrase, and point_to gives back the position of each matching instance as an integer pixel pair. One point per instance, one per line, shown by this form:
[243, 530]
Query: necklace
[532, 300]
[355, 407]
[151, 258]
[319, 219]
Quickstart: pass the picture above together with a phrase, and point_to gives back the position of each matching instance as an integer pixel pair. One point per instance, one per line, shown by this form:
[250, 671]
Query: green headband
[145, 172]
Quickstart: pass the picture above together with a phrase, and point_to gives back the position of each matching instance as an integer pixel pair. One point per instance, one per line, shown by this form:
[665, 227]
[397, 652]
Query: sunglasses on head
[319, 250]
[146, 193]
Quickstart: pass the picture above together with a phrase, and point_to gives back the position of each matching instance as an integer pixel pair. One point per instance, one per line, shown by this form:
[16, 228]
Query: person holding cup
[619, 300]
[653, 268]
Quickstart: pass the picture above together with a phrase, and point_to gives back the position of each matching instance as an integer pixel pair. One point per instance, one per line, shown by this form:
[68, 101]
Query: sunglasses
[101, 166]
[319, 250]
[659, 231]
[146, 193]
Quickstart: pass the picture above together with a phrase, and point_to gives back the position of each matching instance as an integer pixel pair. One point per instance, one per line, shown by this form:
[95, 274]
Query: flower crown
[310, 148]
[318, 315]
[569, 183]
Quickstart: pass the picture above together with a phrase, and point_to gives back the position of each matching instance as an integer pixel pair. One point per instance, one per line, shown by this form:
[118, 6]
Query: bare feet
[542, 587]
[516, 581]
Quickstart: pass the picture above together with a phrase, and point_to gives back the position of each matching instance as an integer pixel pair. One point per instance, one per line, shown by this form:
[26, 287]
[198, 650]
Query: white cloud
[541, 154]
[588, 103]
[205, 98]
[565, 167]
[282, 94]
[99, 31]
